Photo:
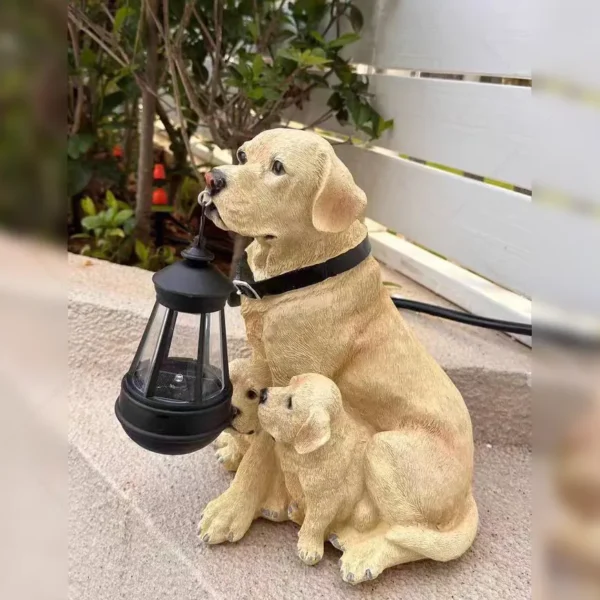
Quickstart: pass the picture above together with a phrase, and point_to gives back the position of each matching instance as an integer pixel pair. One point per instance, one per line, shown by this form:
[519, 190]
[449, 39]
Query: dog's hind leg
[367, 559]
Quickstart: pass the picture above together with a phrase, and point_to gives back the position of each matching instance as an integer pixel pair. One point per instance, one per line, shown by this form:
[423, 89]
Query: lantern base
[171, 430]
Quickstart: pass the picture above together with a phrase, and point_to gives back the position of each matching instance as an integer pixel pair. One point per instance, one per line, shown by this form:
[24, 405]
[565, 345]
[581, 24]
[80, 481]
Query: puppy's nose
[235, 412]
[215, 181]
[263, 395]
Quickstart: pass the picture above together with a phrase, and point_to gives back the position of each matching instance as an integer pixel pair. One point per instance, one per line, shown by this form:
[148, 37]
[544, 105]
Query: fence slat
[455, 36]
[485, 229]
[474, 127]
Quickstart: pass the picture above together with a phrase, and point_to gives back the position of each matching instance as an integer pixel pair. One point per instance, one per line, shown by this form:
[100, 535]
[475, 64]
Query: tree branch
[320, 120]
[78, 112]
[143, 203]
[172, 70]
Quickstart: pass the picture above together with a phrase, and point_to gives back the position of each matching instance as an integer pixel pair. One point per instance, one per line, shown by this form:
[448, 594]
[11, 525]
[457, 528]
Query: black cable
[460, 317]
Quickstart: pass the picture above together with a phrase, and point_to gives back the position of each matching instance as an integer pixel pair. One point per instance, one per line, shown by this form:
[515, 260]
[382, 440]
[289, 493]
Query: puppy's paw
[295, 513]
[229, 457]
[227, 518]
[273, 515]
[310, 549]
[335, 541]
[228, 451]
[310, 555]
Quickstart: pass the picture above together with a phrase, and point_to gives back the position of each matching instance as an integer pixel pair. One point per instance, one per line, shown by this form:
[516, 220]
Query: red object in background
[159, 196]
[159, 172]
[117, 152]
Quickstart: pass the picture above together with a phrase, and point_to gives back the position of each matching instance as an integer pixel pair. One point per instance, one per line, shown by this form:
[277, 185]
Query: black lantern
[176, 397]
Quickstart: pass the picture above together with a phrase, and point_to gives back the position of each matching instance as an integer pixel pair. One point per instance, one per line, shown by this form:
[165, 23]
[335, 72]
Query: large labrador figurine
[299, 203]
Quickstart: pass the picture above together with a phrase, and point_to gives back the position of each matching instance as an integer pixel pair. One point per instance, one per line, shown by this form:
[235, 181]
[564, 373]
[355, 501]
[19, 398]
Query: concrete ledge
[110, 304]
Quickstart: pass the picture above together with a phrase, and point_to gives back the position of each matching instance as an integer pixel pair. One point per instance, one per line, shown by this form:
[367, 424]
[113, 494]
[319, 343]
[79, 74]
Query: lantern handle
[197, 251]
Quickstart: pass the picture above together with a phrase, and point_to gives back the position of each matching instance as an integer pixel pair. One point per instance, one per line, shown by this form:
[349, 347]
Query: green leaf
[317, 36]
[80, 236]
[111, 201]
[92, 222]
[79, 144]
[141, 250]
[335, 101]
[344, 73]
[129, 226]
[88, 206]
[315, 57]
[258, 65]
[271, 94]
[291, 54]
[78, 176]
[120, 17]
[256, 93]
[115, 232]
[87, 58]
[383, 125]
[253, 29]
[356, 18]
[342, 116]
[123, 216]
[110, 215]
[344, 40]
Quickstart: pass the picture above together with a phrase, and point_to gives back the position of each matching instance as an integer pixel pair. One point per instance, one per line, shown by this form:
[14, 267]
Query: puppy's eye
[251, 395]
[289, 402]
[241, 156]
[277, 167]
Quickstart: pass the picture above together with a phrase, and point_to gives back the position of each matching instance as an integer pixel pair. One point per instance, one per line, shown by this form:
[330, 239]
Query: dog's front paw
[227, 518]
[310, 552]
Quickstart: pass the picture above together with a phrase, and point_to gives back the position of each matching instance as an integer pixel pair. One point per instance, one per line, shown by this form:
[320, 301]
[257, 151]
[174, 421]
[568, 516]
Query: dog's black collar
[295, 280]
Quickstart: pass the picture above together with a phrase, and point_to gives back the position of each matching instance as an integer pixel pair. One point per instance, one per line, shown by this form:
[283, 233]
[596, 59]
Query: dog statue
[299, 203]
[345, 482]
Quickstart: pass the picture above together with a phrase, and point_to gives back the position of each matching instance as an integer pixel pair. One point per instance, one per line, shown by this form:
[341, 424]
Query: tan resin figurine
[299, 203]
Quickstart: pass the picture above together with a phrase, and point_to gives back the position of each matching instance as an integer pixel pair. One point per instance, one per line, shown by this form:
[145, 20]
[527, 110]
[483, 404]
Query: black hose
[460, 317]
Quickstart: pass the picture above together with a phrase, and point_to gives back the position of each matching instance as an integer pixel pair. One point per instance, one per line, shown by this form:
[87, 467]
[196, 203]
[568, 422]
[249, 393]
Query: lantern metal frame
[166, 425]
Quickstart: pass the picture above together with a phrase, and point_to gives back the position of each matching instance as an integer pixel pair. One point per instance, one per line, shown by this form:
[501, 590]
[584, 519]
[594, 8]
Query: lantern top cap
[193, 285]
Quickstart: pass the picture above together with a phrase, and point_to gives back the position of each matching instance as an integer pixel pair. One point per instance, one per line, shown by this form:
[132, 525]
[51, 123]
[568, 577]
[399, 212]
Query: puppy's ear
[339, 201]
[314, 433]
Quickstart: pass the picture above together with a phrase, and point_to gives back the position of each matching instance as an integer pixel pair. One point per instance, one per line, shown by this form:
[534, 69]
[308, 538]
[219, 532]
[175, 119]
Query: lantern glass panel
[141, 363]
[179, 351]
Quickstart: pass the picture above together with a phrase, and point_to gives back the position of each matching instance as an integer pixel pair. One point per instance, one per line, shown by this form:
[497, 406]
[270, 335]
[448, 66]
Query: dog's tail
[435, 544]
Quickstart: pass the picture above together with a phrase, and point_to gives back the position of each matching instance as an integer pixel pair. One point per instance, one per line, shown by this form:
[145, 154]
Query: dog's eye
[251, 395]
[277, 167]
[242, 158]
[289, 402]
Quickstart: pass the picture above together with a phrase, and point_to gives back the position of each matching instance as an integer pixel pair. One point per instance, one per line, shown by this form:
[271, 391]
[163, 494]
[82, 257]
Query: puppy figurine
[350, 485]
[321, 450]
[248, 377]
[242, 449]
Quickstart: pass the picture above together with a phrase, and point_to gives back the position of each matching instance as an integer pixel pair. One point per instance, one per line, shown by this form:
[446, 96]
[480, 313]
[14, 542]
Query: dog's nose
[235, 412]
[215, 181]
[263, 395]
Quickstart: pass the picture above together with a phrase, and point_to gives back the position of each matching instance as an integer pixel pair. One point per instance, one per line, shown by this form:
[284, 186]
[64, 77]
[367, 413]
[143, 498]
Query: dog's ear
[339, 201]
[315, 432]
